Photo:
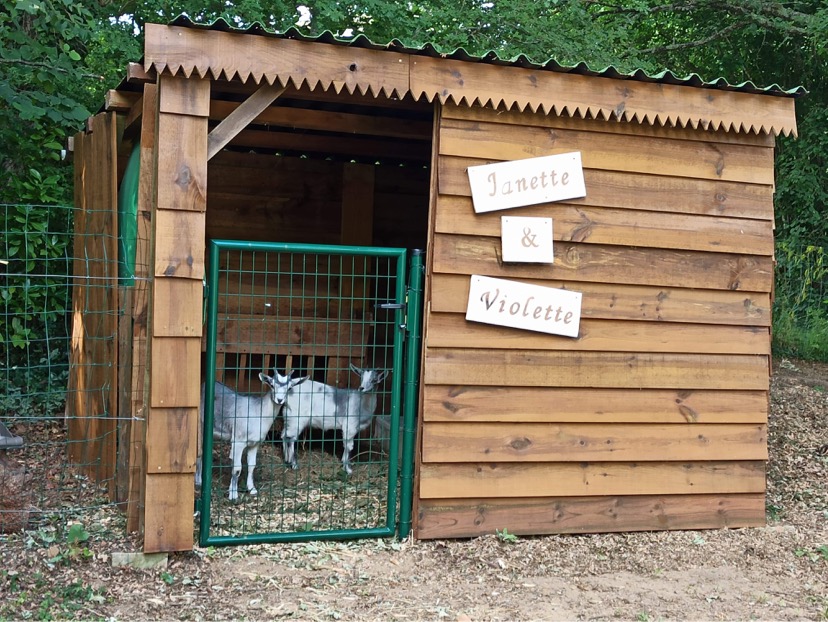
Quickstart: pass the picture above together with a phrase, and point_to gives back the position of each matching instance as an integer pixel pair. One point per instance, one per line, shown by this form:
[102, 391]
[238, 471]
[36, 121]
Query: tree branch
[45, 65]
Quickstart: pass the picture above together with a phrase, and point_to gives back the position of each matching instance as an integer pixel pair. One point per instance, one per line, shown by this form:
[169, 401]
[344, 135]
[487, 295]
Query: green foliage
[34, 304]
[504, 536]
[58, 56]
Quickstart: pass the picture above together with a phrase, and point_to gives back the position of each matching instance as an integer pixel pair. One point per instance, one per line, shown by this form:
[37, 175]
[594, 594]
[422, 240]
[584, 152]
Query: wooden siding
[655, 416]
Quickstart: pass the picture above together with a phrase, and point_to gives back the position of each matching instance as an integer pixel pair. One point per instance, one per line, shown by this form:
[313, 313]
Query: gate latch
[393, 305]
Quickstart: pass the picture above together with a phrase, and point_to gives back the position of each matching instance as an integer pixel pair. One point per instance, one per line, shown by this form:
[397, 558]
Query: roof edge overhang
[220, 55]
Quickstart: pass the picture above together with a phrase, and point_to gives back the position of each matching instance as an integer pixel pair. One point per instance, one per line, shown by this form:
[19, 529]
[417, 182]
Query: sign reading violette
[520, 305]
[527, 182]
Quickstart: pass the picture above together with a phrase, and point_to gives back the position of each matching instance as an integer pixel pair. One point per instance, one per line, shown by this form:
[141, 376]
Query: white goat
[244, 420]
[325, 407]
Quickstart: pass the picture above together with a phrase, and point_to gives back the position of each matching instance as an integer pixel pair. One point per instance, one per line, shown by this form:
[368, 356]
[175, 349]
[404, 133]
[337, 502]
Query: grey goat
[324, 407]
[244, 420]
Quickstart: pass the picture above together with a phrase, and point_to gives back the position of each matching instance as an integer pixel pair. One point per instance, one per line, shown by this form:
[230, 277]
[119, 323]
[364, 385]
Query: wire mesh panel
[63, 446]
[306, 325]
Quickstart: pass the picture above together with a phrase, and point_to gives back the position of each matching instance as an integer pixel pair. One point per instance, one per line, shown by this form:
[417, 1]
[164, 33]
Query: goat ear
[266, 379]
[293, 383]
[382, 377]
[356, 370]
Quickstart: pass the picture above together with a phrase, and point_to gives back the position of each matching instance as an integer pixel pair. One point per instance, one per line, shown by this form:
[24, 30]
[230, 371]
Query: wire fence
[59, 329]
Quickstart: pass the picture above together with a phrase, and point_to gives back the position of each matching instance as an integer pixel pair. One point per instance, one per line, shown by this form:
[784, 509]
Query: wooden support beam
[241, 117]
[120, 101]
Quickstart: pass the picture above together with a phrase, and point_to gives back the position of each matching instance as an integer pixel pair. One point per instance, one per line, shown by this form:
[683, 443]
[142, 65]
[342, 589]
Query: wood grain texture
[468, 518]
[167, 527]
[302, 337]
[240, 117]
[634, 154]
[92, 400]
[626, 190]
[462, 254]
[179, 246]
[590, 442]
[492, 479]
[451, 330]
[487, 114]
[463, 403]
[459, 82]
[595, 369]
[171, 319]
[450, 293]
[171, 440]
[621, 227]
[181, 355]
[183, 96]
[140, 311]
[182, 162]
[229, 55]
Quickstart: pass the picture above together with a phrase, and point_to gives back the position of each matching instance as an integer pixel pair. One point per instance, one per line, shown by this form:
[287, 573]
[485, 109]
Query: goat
[244, 420]
[322, 406]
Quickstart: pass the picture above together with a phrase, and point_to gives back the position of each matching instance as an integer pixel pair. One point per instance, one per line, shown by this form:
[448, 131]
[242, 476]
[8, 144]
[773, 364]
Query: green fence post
[412, 377]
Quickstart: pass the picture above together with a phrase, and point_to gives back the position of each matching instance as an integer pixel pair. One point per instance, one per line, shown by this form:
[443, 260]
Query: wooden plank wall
[655, 417]
[91, 403]
[175, 322]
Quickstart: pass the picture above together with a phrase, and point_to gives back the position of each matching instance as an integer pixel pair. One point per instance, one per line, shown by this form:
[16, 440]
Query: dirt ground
[779, 572]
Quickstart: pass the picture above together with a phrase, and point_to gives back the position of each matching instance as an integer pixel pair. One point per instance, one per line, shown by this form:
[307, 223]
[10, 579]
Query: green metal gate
[313, 311]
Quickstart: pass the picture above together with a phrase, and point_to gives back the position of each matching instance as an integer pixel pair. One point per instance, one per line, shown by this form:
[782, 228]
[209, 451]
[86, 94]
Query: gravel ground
[779, 572]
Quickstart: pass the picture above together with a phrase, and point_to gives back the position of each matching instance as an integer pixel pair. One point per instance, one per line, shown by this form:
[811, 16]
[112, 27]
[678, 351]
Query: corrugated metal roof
[428, 49]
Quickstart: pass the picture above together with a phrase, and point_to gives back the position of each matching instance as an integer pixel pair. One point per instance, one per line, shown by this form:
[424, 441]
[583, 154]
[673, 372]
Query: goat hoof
[253, 492]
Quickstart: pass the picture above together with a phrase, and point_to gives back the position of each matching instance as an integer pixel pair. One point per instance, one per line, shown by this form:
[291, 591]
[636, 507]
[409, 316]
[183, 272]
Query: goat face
[281, 385]
[370, 379]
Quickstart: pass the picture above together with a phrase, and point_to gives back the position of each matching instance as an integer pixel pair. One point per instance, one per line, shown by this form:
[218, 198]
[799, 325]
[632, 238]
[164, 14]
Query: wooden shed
[653, 415]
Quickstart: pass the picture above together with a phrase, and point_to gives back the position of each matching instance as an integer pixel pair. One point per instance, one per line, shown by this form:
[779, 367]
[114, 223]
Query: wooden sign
[526, 239]
[520, 305]
[504, 185]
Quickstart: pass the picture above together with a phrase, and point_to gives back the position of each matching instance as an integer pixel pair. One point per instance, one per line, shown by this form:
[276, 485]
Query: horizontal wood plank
[635, 154]
[594, 369]
[450, 293]
[301, 336]
[492, 479]
[452, 330]
[590, 442]
[618, 227]
[468, 518]
[638, 191]
[459, 403]
[538, 119]
[461, 254]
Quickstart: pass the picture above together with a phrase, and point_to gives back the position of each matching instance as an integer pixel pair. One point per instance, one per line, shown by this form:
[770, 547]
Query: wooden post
[175, 325]
[143, 257]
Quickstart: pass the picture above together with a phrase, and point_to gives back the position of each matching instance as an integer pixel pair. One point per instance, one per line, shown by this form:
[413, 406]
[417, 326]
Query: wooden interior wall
[91, 403]
[175, 321]
[655, 417]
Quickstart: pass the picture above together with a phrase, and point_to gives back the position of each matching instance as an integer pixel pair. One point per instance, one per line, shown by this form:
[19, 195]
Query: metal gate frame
[407, 308]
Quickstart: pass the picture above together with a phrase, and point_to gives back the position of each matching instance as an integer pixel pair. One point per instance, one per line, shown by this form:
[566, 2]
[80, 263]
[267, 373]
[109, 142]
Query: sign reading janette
[520, 305]
[527, 182]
